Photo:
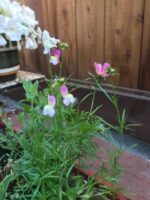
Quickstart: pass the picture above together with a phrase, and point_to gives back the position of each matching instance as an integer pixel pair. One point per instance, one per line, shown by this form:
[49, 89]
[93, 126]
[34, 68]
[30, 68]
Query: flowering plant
[19, 25]
[55, 134]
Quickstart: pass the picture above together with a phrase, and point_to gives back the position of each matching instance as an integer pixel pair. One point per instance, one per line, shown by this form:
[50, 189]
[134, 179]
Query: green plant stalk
[60, 71]
[93, 100]
[121, 127]
[61, 65]
[114, 102]
[51, 72]
[32, 107]
[43, 190]
[50, 68]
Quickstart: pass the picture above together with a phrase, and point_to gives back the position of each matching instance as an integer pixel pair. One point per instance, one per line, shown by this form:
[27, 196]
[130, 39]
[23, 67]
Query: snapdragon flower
[3, 42]
[13, 31]
[67, 97]
[101, 70]
[48, 42]
[49, 109]
[30, 43]
[16, 21]
[54, 59]
[39, 35]
[3, 23]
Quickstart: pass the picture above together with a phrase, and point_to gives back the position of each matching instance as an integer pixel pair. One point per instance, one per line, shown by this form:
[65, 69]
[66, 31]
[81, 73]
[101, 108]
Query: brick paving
[135, 175]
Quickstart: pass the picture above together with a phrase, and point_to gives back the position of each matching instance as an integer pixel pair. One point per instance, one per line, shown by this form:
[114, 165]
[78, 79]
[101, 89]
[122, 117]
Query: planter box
[136, 103]
[9, 63]
[11, 116]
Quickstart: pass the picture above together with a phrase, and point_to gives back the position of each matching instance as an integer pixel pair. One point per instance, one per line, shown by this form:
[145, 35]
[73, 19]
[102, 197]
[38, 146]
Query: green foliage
[121, 115]
[4, 186]
[31, 89]
[111, 169]
[45, 153]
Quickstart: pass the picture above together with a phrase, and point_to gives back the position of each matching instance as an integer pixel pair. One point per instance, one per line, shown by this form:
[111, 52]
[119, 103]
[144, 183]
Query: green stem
[61, 65]
[32, 105]
[60, 72]
[43, 190]
[51, 73]
[60, 115]
[93, 99]
[114, 102]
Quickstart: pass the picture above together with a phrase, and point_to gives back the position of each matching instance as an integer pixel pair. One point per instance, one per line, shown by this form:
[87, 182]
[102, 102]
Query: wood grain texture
[144, 75]
[114, 31]
[90, 34]
[58, 17]
[66, 31]
[34, 60]
[123, 35]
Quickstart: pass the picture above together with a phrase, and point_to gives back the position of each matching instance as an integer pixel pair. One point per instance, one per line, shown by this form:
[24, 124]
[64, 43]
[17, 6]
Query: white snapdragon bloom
[54, 41]
[13, 32]
[16, 6]
[6, 8]
[67, 97]
[24, 28]
[16, 20]
[3, 23]
[39, 35]
[29, 17]
[30, 13]
[3, 42]
[49, 109]
[30, 43]
[48, 42]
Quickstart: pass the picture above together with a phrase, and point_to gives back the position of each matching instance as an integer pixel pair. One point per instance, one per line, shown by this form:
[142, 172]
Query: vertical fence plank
[144, 82]
[66, 31]
[33, 60]
[29, 58]
[63, 26]
[90, 34]
[123, 34]
[52, 24]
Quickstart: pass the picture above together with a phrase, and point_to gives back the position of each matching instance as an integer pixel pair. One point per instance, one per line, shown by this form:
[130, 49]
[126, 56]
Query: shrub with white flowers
[18, 24]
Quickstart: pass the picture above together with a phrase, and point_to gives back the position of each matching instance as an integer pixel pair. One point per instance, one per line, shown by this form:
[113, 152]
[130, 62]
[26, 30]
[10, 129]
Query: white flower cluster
[18, 23]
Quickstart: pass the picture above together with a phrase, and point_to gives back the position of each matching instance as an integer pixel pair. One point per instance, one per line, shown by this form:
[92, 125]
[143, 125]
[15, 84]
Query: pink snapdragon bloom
[67, 97]
[49, 109]
[101, 70]
[54, 59]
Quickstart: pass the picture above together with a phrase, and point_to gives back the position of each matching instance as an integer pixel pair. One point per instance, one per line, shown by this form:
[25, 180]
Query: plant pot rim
[3, 49]
[9, 71]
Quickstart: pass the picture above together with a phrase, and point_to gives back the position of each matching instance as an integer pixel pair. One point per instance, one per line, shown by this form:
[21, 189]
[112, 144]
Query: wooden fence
[116, 31]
